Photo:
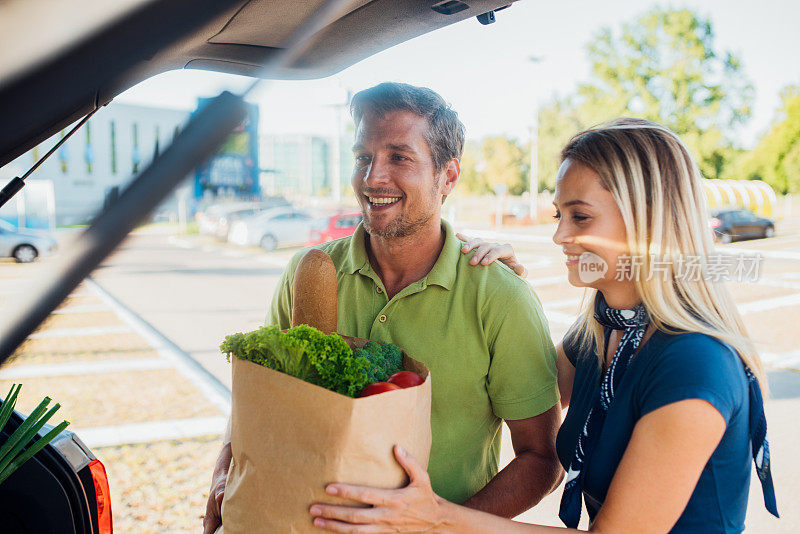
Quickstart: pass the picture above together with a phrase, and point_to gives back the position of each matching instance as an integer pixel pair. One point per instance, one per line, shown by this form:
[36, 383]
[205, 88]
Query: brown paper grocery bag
[290, 439]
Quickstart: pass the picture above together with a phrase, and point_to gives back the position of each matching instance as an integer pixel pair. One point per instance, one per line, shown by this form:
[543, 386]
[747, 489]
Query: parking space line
[81, 332]
[107, 436]
[208, 384]
[775, 282]
[767, 253]
[785, 360]
[83, 368]
[769, 304]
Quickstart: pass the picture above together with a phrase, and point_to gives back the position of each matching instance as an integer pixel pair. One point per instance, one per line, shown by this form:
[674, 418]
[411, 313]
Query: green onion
[11, 452]
[28, 433]
[22, 429]
[8, 404]
[33, 449]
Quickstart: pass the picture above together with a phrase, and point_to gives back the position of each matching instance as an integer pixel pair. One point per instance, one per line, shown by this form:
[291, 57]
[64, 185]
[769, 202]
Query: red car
[333, 226]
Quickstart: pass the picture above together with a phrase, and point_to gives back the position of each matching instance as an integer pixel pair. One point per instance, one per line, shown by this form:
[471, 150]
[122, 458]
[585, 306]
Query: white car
[273, 228]
[208, 221]
[24, 245]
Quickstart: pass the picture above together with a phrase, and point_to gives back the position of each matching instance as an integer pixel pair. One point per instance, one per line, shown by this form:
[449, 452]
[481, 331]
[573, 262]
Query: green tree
[495, 160]
[471, 180]
[663, 66]
[776, 158]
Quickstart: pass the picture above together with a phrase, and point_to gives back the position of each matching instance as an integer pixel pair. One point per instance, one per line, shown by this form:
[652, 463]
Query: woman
[661, 381]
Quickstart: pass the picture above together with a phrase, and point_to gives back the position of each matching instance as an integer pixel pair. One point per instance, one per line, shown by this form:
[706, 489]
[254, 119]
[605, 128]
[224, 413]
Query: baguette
[314, 292]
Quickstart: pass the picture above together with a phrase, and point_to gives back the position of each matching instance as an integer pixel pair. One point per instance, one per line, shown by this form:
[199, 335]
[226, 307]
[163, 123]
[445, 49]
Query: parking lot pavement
[155, 419]
[150, 418]
[770, 308]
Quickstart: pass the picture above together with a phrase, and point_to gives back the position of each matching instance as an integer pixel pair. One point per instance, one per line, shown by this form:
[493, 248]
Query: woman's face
[591, 232]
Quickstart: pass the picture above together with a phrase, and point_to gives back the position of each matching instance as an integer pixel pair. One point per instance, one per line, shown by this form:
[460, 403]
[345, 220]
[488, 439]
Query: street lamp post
[534, 177]
[534, 173]
[336, 151]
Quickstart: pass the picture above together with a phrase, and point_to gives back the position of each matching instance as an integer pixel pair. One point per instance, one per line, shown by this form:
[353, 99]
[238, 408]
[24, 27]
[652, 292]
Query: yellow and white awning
[755, 195]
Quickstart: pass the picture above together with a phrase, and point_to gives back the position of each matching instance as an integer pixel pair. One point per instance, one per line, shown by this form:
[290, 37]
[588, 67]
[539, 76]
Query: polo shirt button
[380, 290]
[382, 318]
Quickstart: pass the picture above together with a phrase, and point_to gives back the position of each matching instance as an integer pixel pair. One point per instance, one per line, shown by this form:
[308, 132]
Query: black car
[62, 61]
[731, 224]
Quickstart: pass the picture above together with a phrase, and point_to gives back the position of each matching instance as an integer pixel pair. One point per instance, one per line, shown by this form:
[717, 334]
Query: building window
[89, 154]
[63, 155]
[136, 157]
[113, 148]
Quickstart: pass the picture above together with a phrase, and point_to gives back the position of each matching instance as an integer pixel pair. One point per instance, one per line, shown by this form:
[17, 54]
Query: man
[480, 330]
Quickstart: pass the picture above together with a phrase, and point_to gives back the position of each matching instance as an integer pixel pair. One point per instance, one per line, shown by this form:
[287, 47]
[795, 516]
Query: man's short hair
[445, 133]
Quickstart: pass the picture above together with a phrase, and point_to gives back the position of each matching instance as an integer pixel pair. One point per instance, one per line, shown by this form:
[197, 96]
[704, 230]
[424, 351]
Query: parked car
[731, 224]
[208, 219]
[216, 219]
[278, 227]
[24, 245]
[224, 224]
[47, 84]
[334, 225]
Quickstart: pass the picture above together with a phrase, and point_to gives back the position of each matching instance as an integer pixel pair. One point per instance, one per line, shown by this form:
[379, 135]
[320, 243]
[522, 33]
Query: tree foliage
[664, 67]
[776, 158]
[495, 160]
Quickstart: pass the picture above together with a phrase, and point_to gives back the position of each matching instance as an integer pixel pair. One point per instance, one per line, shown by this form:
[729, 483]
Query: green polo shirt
[480, 330]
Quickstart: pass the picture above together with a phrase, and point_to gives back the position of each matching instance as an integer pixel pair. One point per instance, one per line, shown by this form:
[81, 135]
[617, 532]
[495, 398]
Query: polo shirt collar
[356, 257]
[442, 274]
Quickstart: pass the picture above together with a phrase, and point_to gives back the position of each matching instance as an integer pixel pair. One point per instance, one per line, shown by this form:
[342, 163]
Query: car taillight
[715, 223]
[103, 495]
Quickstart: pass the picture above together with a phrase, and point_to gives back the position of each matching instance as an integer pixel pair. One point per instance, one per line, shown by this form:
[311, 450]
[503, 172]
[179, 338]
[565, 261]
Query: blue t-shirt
[667, 368]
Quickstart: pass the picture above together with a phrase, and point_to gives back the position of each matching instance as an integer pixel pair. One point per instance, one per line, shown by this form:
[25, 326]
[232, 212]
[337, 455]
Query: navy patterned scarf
[634, 323]
[759, 443]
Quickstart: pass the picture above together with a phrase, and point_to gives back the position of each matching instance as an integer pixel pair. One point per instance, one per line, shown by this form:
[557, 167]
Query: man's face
[393, 177]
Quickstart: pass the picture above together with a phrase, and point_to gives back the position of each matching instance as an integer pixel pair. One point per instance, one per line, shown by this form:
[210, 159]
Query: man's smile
[380, 203]
[383, 200]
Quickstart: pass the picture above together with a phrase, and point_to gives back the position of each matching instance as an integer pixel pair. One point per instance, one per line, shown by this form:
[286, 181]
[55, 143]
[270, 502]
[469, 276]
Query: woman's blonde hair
[657, 187]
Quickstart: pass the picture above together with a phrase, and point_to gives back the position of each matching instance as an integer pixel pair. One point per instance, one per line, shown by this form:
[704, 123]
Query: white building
[106, 152]
[302, 164]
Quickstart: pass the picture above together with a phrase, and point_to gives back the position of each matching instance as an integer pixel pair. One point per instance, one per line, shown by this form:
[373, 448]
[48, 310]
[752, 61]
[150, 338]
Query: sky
[486, 73]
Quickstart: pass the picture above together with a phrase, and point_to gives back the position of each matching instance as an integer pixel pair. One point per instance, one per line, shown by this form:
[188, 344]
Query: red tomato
[377, 387]
[406, 379]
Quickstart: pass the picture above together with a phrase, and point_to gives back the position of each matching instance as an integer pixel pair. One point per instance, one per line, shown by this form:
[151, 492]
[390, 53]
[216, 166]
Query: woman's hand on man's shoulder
[487, 252]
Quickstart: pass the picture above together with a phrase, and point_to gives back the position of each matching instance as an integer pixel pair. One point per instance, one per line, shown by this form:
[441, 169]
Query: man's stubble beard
[400, 227]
